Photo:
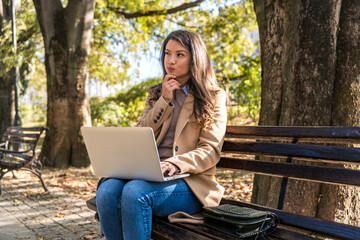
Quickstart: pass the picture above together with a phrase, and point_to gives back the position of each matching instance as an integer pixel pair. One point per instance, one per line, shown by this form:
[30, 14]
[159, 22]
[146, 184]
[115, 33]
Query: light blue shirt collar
[186, 89]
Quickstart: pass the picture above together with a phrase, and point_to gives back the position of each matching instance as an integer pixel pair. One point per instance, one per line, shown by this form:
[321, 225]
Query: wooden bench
[18, 151]
[289, 143]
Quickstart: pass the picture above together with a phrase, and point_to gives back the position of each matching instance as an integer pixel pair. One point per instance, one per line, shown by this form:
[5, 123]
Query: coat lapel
[184, 115]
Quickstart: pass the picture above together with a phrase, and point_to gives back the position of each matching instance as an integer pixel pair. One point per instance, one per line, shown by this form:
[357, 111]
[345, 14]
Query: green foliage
[124, 109]
[28, 44]
[227, 30]
[245, 87]
[235, 54]
[136, 91]
[33, 106]
[32, 114]
[111, 113]
[118, 43]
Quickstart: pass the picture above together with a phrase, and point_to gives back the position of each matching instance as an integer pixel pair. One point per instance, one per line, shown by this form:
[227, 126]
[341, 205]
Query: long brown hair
[202, 82]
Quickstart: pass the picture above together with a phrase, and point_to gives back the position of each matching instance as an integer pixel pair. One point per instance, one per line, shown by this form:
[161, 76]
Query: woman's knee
[135, 191]
[109, 193]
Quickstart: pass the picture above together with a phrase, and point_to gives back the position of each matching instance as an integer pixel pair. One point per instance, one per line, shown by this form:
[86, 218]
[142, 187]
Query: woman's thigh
[164, 198]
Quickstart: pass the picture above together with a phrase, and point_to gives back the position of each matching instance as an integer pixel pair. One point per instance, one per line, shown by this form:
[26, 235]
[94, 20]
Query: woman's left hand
[169, 168]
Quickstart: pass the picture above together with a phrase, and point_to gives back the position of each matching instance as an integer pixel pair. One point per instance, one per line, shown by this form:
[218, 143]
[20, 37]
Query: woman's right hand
[168, 86]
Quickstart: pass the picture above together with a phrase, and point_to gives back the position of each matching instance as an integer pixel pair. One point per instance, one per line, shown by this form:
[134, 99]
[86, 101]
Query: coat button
[157, 117]
[155, 121]
[176, 148]
[160, 114]
[162, 110]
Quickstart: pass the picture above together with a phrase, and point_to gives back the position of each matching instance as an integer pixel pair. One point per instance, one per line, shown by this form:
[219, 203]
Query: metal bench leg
[42, 181]
[38, 174]
[14, 176]
[2, 173]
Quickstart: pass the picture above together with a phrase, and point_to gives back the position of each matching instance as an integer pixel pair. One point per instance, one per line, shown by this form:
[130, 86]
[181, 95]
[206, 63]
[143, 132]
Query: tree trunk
[310, 62]
[345, 205]
[7, 107]
[66, 33]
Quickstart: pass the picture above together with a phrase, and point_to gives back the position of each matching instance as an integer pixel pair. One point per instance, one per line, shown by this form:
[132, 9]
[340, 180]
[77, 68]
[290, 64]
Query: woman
[187, 113]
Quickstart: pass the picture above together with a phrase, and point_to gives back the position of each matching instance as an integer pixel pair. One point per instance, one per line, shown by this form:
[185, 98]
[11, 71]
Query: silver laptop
[124, 152]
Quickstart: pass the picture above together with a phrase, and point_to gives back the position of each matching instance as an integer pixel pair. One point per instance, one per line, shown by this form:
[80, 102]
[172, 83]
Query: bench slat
[327, 228]
[17, 140]
[208, 232]
[172, 231]
[307, 172]
[280, 233]
[21, 135]
[283, 232]
[18, 155]
[349, 133]
[30, 129]
[334, 153]
[12, 165]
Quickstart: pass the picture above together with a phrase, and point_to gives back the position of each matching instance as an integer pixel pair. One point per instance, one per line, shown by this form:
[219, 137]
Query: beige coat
[196, 151]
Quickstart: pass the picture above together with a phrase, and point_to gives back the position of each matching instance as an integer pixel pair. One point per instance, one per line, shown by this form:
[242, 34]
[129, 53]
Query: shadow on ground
[27, 212]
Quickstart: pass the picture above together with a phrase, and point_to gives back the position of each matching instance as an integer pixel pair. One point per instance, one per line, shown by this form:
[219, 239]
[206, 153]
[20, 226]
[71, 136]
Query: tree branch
[180, 23]
[27, 34]
[179, 8]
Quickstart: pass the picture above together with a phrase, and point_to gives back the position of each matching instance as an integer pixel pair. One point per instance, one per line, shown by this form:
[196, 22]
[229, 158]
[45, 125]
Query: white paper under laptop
[124, 152]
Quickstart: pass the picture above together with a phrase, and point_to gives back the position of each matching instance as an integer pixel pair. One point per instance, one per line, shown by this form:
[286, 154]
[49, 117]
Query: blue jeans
[125, 207]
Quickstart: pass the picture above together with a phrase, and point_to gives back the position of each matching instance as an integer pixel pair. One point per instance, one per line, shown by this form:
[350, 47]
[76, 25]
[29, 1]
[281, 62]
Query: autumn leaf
[60, 215]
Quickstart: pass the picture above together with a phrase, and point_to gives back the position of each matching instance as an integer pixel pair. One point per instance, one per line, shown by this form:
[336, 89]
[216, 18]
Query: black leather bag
[240, 222]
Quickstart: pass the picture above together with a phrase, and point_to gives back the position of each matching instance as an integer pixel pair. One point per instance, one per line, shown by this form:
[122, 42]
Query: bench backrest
[315, 144]
[22, 139]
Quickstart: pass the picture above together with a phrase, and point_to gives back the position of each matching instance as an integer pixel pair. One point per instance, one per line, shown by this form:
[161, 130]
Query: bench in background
[289, 143]
[18, 151]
